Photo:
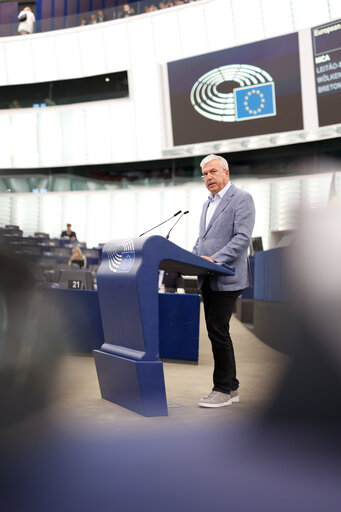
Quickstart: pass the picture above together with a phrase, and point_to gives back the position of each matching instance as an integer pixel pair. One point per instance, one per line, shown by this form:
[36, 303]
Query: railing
[93, 17]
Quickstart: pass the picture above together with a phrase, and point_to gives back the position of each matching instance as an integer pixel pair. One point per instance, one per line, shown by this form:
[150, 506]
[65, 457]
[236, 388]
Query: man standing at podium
[225, 230]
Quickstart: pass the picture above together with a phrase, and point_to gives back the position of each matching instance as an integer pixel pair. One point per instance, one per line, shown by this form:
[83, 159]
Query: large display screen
[248, 90]
[327, 57]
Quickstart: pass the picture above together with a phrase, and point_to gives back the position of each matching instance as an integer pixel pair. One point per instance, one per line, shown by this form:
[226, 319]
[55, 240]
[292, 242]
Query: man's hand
[207, 258]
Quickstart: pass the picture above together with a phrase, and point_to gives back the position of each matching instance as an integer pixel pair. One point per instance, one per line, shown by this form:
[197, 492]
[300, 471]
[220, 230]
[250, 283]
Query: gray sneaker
[235, 396]
[215, 399]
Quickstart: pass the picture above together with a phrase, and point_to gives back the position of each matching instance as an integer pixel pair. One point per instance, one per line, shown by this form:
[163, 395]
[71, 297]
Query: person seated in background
[68, 232]
[93, 19]
[100, 16]
[15, 104]
[127, 11]
[26, 20]
[49, 102]
[84, 21]
[77, 258]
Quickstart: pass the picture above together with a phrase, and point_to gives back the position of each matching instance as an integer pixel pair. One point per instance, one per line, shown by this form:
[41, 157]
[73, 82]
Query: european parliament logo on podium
[122, 258]
[255, 101]
[127, 262]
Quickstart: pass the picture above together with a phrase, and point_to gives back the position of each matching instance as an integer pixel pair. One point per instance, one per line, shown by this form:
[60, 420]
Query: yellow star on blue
[255, 101]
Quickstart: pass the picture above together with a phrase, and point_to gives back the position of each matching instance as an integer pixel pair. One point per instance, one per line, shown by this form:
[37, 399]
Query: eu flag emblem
[127, 260]
[255, 101]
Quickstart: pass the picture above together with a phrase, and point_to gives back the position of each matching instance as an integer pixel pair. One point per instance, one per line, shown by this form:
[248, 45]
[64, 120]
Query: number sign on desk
[75, 284]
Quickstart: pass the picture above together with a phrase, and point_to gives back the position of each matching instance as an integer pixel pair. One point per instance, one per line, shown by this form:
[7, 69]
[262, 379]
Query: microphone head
[177, 213]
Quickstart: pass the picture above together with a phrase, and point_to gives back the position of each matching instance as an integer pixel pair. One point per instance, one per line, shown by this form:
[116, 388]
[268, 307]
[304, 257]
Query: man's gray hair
[207, 159]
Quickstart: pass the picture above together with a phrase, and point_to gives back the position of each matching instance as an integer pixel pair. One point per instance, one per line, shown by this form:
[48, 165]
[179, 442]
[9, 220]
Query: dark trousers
[218, 310]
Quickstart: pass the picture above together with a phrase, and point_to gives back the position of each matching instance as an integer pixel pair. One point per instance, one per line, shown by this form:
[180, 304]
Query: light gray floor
[78, 402]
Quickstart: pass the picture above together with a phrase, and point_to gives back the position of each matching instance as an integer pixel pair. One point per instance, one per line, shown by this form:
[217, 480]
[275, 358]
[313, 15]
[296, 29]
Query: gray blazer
[227, 238]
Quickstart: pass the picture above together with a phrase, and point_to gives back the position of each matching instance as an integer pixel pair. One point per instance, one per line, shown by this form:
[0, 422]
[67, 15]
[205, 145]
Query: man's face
[215, 177]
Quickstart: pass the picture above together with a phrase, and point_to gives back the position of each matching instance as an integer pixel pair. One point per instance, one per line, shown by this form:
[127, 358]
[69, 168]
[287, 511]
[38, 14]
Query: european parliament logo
[254, 98]
[122, 257]
[255, 101]
[127, 261]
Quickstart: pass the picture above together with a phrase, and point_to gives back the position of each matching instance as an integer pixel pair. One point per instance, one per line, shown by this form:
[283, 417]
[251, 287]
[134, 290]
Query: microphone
[175, 214]
[169, 232]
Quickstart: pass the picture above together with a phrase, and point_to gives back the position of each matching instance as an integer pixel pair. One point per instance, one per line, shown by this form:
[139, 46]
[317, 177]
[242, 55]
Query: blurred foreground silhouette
[286, 459]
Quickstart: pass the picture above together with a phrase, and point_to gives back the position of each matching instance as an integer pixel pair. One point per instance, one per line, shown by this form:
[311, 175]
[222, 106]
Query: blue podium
[128, 367]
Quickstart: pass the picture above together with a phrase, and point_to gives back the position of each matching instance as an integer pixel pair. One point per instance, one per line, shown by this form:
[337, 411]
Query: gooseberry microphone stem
[169, 232]
[170, 218]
